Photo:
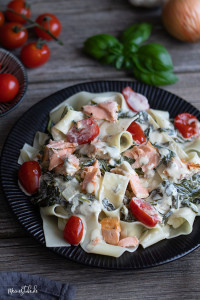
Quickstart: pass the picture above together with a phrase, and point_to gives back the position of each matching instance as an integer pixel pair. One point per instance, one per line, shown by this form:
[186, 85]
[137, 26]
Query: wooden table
[67, 66]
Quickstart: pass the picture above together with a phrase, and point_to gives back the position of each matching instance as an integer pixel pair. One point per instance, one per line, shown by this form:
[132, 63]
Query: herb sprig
[150, 63]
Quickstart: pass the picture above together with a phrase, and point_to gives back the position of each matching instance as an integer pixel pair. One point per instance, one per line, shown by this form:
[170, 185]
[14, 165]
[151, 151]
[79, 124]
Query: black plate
[35, 119]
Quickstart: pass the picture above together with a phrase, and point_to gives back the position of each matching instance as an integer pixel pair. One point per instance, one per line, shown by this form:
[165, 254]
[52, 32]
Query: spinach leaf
[142, 117]
[108, 205]
[136, 34]
[129, 160]
[47, 195]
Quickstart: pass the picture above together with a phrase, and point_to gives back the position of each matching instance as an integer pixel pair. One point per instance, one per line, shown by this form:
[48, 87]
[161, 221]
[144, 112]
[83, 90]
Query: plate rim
[58, 250]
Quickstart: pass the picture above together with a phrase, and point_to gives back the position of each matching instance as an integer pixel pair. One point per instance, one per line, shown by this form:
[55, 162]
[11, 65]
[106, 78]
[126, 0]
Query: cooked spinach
[165, 159]
[129, 160]
[104, 166]
[166, 216]
[108, 205]
[126, 217]
[124, 115]
[186, 192]
[167, 130]
[142, 117]
[139, 171]
[47, 195]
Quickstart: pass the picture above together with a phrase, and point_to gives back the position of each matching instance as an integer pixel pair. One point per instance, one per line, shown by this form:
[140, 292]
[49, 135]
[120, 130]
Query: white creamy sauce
[90, 188]
[70, 168]
[163, 151]
[177, 170]
[144, 160]
[87, 209]
[112, 152]
[156, 137]
[164, 205]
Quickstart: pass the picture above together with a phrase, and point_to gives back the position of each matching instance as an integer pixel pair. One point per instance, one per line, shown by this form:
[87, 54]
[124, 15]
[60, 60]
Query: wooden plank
[26, 255]
[81, 20]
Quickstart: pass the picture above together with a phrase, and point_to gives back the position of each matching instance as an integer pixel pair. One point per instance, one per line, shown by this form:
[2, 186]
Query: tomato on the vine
[144, 212]
[137, 133]
[13, 35]
[9, 87]
[29, 176]
[186, 124]
[34, 54]
[49, 22]
[21, 7]
[83, 131]
[73, 231]
[2, 19]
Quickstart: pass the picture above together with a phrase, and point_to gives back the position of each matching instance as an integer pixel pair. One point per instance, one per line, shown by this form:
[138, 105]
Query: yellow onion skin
[181, 19]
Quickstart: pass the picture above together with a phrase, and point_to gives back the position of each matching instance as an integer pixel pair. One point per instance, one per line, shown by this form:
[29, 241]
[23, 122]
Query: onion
[181, 18]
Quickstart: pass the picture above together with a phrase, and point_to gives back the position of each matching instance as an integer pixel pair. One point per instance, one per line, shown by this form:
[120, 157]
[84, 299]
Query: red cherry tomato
[2, 19]
[73, 231]
[11, 36]
[34, 56]
[9, 87]
[186, 124]
[29, 176]
[83, 131]
[50, 22]
[21, 7]
[136, 102]
[137, 133]
[144, 212]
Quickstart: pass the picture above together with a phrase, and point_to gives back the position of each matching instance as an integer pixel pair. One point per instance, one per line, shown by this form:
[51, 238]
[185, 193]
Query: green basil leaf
[101, 45]
[153, 57]
[155, 78]
[119, 62]
[137, 33]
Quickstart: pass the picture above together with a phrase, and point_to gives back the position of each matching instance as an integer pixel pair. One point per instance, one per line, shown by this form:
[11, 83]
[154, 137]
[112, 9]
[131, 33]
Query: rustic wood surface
[67, 66]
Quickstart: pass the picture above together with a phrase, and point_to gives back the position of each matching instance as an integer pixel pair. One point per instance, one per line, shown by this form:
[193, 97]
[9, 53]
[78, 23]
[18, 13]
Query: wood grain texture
[68, 65]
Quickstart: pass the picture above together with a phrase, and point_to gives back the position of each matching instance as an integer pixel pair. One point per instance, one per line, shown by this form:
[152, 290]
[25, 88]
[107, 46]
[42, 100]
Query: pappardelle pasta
[111, 173]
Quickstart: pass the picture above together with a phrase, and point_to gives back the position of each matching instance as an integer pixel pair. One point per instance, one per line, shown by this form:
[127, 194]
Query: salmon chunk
[61, 145]
[134, 182]
[70, 167]
[130, 241]
[57, 157]
[56, 152]
[146, 157]
[110, 229]
[90, 175]
[102, 111]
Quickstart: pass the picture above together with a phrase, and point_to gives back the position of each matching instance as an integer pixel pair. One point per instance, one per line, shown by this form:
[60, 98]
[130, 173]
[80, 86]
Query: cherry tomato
[29, 176]
[21, 7]
[136, 102]
[83, 131]
[2, 19]
[33, 55]
[9, 87]
[144, 212]
[50, 22]
[186, 124]
[137, 133]
[73, 231]
[11, 36]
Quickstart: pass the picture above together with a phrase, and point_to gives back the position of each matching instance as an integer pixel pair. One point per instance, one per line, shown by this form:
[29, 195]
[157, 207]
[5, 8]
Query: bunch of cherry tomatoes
[14, 34]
